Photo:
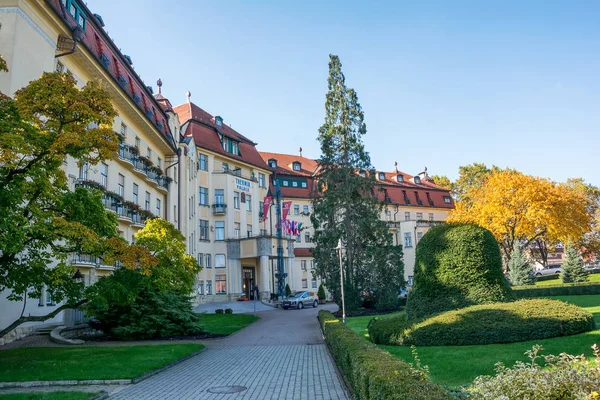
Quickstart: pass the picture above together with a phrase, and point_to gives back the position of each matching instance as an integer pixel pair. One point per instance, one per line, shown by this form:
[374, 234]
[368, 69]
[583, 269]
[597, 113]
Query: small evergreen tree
[288, 291]
[520, 272]
[321, 293]
[572, 268]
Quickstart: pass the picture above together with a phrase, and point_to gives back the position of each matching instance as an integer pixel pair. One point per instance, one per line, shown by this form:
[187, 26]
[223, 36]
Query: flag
[286, 209]
[266, 206]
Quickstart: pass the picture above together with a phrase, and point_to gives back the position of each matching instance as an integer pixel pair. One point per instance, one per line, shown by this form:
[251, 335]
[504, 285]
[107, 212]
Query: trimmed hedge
[567, 289]
[373, 373]
[516, 321]
[456, 266]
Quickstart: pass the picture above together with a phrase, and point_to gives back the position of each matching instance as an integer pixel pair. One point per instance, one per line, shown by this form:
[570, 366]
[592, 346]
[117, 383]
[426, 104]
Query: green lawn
[225, 324]
[88, 362]
[556, 281]
[458, 365]
[49, 396]
[359, 324]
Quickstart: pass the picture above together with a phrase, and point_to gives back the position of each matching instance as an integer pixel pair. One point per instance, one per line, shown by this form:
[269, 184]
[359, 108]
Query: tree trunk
[40, 318]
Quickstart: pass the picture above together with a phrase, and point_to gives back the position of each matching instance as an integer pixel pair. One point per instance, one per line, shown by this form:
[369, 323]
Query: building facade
[186, 166]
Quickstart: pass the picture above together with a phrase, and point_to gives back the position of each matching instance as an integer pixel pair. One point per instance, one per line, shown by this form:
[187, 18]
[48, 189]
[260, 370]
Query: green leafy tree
[520, 271]
[572, 267]
[346, 205]
[443, 181]
[3, 66]
[41, 221]
[471, 176]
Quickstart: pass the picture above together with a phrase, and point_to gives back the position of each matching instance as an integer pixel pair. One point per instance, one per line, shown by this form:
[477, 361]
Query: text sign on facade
[242, 184]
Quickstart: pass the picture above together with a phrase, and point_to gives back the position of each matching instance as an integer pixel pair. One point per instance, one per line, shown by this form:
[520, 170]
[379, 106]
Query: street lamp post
[339, 249]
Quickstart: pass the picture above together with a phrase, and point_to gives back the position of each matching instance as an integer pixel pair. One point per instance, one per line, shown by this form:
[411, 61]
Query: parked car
[299, 300]
[549, 270]
[592, 268]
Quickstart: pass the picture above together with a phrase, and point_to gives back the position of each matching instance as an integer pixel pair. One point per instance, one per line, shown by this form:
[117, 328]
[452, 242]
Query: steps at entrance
[45, 330]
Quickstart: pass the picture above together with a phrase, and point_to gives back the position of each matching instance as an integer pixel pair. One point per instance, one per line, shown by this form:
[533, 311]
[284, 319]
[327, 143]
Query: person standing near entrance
[256, 292]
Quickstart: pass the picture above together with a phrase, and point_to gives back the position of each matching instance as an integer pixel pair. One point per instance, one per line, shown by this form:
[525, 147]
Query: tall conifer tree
[520, 272]
[572, 267]
[346, 206]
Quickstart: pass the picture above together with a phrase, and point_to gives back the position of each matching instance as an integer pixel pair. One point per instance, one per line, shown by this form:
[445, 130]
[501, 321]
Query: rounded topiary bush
[516, 321]
[456, 266]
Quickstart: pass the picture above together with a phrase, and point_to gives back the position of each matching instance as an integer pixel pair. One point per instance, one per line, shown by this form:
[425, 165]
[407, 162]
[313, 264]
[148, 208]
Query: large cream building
[186, 166]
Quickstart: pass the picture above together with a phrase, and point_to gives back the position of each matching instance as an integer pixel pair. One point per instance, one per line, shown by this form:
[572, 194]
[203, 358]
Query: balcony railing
[219, 209]
[130, 154]
[393, 224]
[84, 259]
[423, 222]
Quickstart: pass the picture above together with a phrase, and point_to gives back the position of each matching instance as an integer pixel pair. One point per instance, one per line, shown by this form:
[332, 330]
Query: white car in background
[549, 270]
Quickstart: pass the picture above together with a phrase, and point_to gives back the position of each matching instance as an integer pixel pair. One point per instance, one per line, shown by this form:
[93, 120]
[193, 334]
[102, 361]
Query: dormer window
[382, 176]
[417, 180]
[296, 166]
[272, 163]
[399, 178]
[219, 121]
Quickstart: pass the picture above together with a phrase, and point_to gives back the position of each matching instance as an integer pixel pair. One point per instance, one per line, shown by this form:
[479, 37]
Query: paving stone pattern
[282, 356]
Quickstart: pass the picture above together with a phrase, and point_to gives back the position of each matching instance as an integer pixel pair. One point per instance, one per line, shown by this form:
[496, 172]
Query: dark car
[299, 300]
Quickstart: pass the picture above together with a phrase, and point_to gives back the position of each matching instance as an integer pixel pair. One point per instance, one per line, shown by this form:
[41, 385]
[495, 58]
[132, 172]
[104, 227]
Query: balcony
[143, 166]
[393, 224]
[423, 222]
[90, 261]
[219, 209]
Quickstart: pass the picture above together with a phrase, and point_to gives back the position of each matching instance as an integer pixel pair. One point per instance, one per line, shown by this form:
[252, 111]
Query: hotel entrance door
[249, 281]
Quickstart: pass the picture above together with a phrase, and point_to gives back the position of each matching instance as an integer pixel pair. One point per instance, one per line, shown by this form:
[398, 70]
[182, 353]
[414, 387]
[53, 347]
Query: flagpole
[280, 271]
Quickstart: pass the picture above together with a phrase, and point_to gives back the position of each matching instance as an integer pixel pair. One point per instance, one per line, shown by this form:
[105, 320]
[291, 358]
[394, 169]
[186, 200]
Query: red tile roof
[284, 163]
[299, 252]
[205, 131]
[100, 45]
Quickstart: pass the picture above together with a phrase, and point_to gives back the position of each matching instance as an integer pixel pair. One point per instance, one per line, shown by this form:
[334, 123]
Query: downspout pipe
[178, 189]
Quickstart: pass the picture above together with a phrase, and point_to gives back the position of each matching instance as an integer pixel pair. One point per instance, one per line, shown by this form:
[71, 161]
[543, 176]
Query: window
[158, 207]
[304, 284]
[208, 261]
[209, 287]
[294, 184]
[297, 166]
[261, 180]
[123, 131]
[49, 301]
[200, 287]
[399, 178]
[272, 163]
[83, 171]
[135, 193]
[447, 200]
[261, 206]
[72, 10]
[304, 184]
[203, 232]
[147, 205]
[236, 200]
[431, 216]
[307, 237]
[312, 264]
[419, 216]
[225, 167]
[103, 174]
[219, 196]
[305, 210]
[200, 259]
[285, 183]
[382, 176]
[203, 162]
[236, 230]
[59, 67]
[417, 180]
[419, 236]
[248, 203]
[219, 260]
[313, 283]
[303, 265]
[203, 196]
[407, 216]
[296, 210]
[407, 239]
[137, 142]
[191, 246]
[121, 185]
[249, 230]
[159, 163]
[221, 284]
[219, 230]
[298, 238]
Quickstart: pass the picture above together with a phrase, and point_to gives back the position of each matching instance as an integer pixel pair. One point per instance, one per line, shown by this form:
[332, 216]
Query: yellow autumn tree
[520, 208]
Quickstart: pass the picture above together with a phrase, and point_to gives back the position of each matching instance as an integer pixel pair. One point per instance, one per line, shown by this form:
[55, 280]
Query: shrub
[562, 377]
[373, 373]
[402, 301]
[152, 315]
[288, 291]
[219, 311]
[489, 323]
[387, 330]
[321, 293]
[456, 266]
[228, 311]
[556, 290]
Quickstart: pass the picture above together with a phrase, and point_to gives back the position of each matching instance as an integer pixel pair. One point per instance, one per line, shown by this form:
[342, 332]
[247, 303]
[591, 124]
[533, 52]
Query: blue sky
[442, 83]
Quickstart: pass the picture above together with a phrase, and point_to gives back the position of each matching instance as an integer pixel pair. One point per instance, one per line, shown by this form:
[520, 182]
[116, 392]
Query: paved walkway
[281, 356]
[238, 307]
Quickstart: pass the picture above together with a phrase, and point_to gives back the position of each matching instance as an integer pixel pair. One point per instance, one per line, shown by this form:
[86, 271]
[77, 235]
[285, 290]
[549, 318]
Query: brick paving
[282, 356]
